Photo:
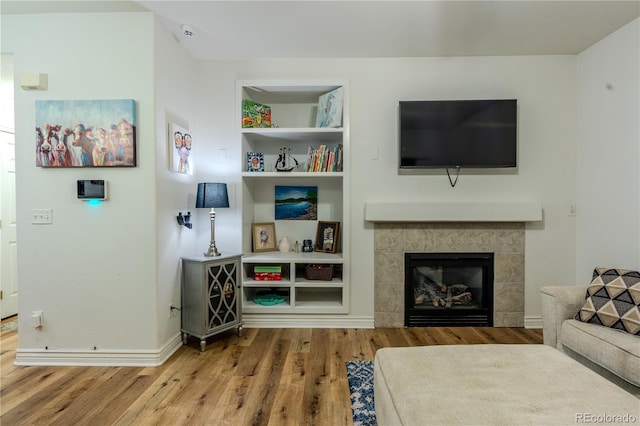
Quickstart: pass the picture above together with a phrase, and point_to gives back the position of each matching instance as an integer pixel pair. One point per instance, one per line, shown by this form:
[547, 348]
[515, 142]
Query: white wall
[546, 91]
[93, 271]
[176, 89]
[217, 159]
[6, 93]
[608, 215]
[104, 276]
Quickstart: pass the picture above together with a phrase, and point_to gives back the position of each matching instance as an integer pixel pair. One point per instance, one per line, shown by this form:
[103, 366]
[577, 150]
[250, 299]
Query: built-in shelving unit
[293, 106]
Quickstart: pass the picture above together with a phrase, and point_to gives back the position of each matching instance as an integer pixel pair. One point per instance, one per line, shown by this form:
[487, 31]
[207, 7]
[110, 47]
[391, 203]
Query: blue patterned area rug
[360, 376]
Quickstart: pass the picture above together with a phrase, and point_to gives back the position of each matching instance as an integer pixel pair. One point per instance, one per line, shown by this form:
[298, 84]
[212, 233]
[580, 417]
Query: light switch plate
[42, 216]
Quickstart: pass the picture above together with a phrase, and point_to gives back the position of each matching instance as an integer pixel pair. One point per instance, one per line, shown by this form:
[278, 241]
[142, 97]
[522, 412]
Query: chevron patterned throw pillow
[613, 300]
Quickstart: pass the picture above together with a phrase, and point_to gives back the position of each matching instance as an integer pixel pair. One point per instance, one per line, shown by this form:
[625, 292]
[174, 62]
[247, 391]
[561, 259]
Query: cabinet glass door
[222, 294]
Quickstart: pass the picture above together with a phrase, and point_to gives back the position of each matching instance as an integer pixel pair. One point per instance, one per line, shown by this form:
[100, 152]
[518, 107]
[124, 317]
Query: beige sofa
[611, 353]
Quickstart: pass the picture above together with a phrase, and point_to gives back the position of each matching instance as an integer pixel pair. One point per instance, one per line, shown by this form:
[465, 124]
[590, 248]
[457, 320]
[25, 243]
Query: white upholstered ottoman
[493, 385]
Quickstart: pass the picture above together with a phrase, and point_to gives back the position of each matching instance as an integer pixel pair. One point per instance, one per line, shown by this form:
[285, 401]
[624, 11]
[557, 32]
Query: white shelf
[288, 175]
[279, 257]
[294, 133]
[269, 91]
[247, 282]
[251, 307]
[318, 304]
[305, 283]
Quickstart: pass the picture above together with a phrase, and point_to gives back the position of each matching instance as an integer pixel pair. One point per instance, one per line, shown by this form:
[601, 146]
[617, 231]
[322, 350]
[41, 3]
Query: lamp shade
[212, 195]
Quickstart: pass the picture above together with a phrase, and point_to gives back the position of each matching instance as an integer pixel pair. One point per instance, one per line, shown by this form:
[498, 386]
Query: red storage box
[267, 276]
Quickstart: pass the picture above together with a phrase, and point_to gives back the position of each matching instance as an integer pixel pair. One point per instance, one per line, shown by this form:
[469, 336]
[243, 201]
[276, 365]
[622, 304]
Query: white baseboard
[101, 358]
[533, 322]
[268, 321]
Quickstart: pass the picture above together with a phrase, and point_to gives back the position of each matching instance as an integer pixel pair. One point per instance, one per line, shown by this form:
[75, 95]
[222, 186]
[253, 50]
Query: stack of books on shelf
[324, 159]
[267, 272]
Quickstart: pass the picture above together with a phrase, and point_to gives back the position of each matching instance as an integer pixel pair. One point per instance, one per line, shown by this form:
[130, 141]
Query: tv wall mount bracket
[454, 181]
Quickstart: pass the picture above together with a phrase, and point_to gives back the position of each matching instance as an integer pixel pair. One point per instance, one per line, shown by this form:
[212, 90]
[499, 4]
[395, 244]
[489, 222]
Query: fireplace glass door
[448, 289]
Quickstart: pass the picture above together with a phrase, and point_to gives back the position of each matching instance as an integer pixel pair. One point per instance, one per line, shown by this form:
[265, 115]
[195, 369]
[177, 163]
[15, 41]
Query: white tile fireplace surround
[434, 228]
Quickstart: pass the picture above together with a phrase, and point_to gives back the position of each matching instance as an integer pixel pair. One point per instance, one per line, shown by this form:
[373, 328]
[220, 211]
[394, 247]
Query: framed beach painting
[296, 202]
[86, 133]
[180, 149]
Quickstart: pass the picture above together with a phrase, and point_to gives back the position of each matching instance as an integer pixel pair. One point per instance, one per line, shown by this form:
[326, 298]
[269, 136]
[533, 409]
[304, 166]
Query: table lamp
[212, 195]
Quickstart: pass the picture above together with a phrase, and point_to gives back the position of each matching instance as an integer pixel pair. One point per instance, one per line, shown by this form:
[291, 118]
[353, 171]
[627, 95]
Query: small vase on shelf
[285, 245]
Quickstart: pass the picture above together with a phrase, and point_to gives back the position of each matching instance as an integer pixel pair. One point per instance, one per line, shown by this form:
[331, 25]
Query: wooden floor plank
[78, 402]
[260, 398]
[264, 377]
[54, 399]
[317, 369]
[287, 405]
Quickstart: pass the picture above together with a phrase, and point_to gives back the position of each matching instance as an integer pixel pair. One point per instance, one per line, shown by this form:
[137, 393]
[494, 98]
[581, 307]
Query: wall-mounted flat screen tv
[458, 133]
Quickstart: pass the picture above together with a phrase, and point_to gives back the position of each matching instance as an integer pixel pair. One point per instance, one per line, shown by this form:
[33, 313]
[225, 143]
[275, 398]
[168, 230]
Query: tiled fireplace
[504, 239]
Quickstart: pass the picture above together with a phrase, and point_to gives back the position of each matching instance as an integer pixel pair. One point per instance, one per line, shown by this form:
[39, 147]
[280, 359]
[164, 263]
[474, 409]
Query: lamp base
[213, 251]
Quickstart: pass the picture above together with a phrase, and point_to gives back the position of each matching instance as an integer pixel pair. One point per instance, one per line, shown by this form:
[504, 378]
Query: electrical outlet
[173, 311]
[37, 319]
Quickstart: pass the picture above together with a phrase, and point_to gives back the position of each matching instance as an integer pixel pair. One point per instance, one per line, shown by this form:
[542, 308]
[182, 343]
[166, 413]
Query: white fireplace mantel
[452, 212]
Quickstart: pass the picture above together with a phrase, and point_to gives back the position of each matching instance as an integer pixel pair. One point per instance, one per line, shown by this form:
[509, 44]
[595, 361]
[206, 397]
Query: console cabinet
[293, 107]
[211, 301]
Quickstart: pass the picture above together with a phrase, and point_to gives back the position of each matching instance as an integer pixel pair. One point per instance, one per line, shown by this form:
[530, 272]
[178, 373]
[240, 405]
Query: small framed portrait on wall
[264, 236]
[180, 144]
[327, 236]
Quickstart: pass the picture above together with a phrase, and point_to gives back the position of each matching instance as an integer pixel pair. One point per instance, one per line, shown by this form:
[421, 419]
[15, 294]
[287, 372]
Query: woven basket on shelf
[319, 272]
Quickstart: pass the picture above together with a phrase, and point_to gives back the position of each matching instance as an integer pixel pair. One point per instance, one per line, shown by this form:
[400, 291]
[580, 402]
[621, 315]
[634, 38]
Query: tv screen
[458, 133]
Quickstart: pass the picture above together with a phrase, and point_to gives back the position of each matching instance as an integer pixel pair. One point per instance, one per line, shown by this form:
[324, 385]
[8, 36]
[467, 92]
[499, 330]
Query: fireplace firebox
[448, 289]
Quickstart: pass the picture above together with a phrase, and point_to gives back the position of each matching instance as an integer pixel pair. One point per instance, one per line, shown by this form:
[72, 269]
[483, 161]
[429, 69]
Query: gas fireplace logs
[442, 294]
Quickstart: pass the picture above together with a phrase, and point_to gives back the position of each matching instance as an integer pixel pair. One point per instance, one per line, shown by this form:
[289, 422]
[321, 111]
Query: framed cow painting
[86, 133]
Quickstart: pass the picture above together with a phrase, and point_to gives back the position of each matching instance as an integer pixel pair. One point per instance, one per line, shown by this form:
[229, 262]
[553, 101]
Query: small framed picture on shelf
[255, 162]
[264, 236]
[330, 109]
[327, 236]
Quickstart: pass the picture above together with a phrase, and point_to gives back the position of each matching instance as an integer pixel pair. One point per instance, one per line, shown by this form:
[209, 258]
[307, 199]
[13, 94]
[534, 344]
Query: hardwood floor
[265, 377]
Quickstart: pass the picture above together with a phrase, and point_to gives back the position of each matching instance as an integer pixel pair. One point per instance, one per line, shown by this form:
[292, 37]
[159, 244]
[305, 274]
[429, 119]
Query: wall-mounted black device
[92, 189]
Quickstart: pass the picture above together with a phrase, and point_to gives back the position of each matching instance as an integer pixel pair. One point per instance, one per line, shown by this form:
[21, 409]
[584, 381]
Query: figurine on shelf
[307, 246]
[286, 162]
